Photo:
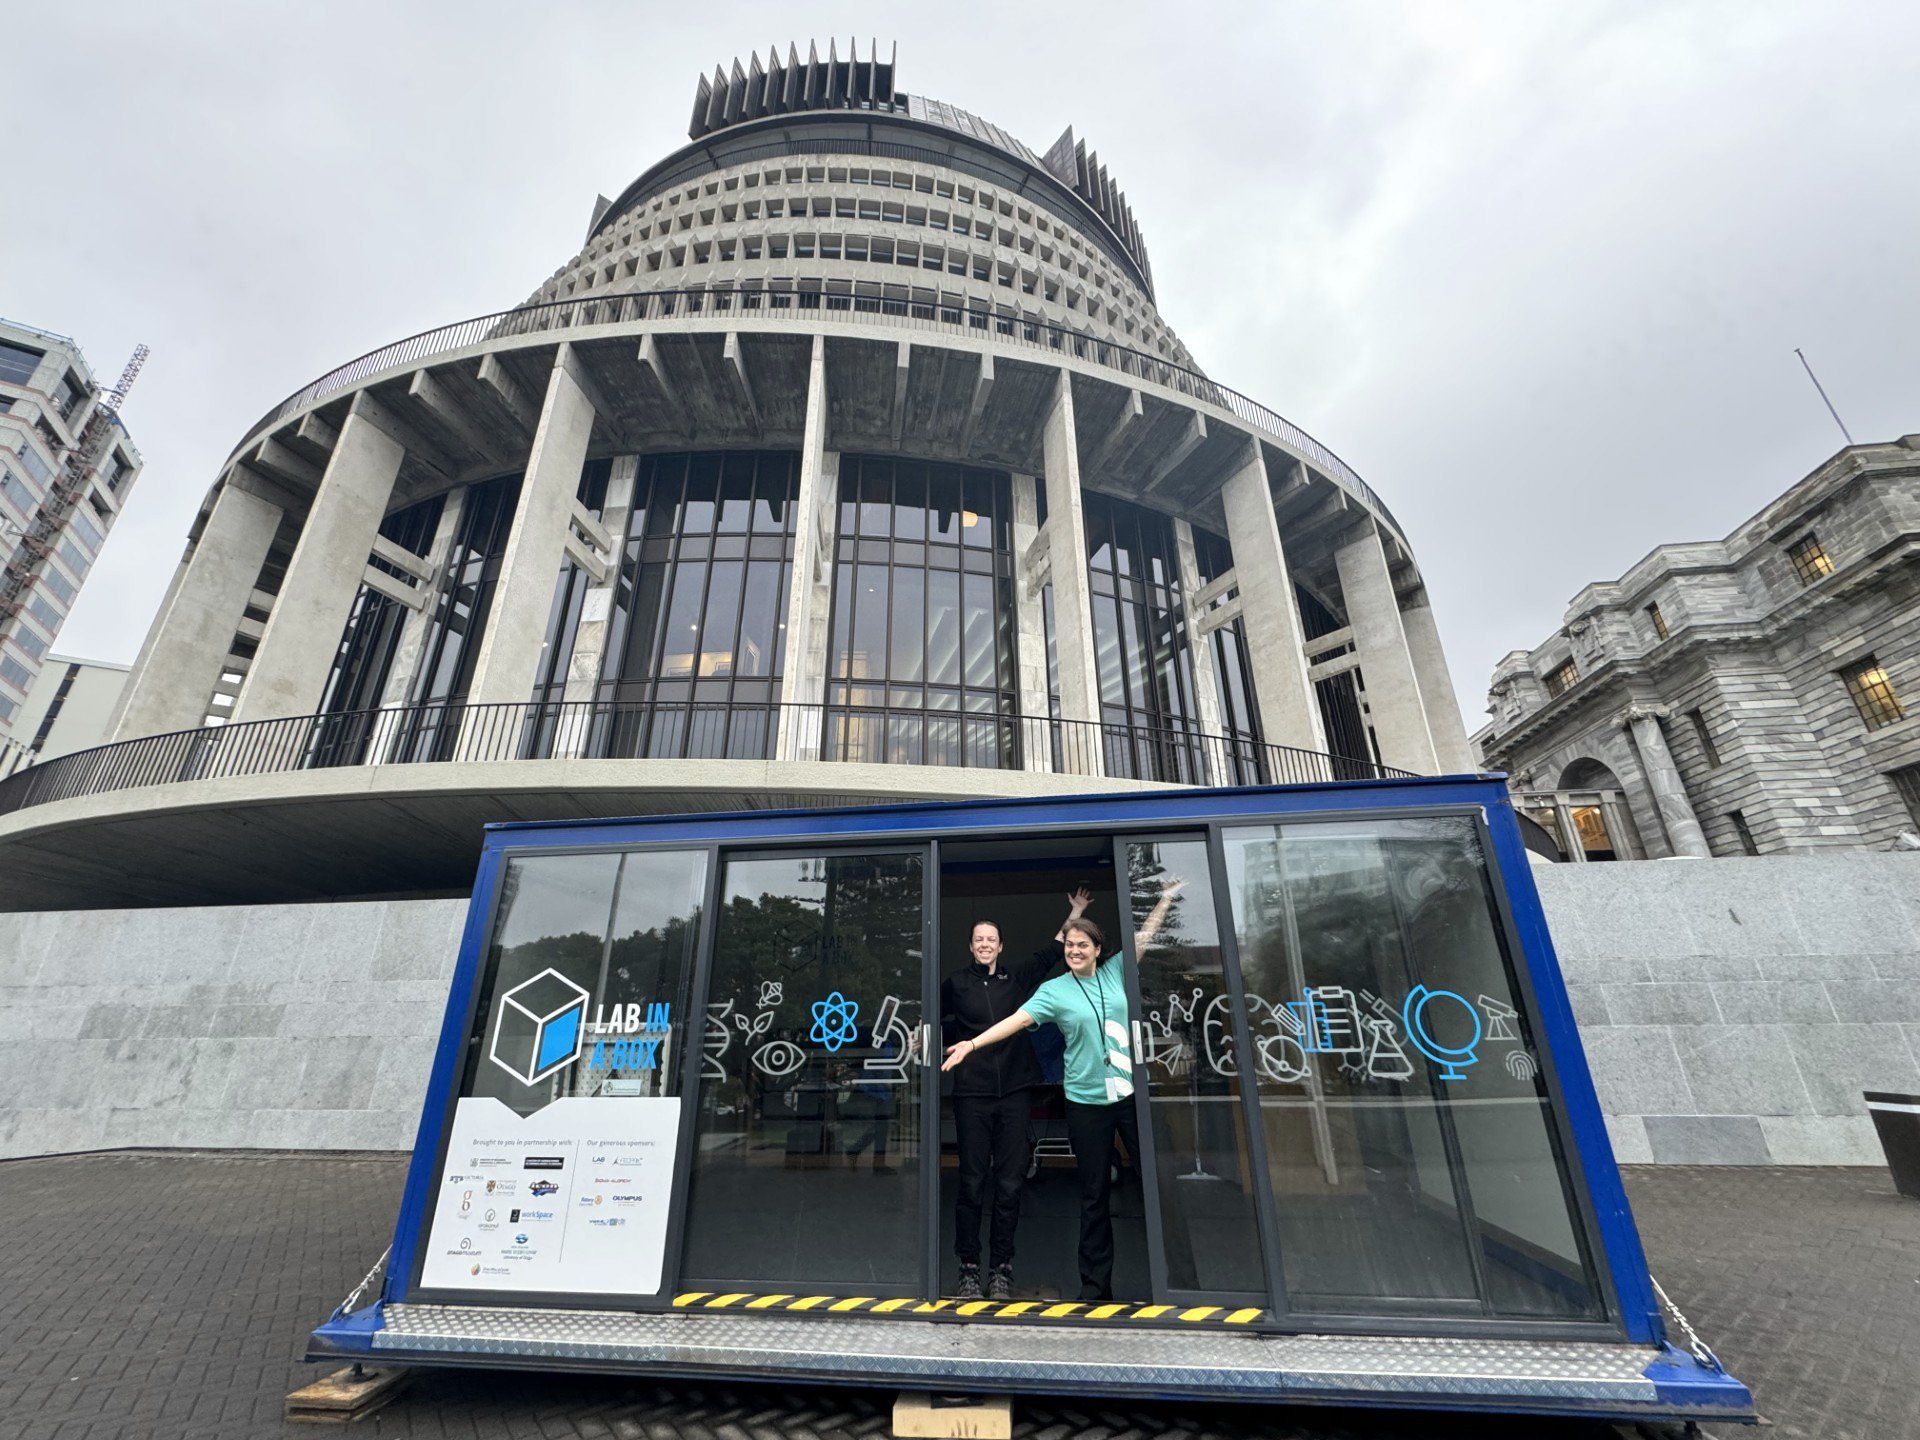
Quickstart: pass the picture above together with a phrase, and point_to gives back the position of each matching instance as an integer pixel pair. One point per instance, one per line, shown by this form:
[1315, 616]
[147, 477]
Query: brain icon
[833, 1020]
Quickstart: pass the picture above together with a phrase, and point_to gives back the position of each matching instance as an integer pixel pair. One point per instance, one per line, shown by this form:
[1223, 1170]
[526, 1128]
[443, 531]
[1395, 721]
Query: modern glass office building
[850, 458]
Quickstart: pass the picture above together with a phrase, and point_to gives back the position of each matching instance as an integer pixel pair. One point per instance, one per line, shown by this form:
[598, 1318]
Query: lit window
[1561, 678]
[1872, 693]
[1657, 620]
[1809, 558]
[1699, 723]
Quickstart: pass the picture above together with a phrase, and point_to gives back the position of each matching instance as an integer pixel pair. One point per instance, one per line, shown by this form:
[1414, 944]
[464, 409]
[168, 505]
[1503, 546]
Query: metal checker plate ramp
[1195, 1363]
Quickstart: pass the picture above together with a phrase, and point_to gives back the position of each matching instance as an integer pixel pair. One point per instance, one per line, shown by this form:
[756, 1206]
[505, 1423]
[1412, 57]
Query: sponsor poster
[572, 1198]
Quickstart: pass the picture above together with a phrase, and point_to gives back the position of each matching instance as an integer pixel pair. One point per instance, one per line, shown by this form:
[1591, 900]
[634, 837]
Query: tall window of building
[1140, 645]
[1743, 832]
[358, 682]
[1349, 740]
[458, 617]
[113, 470]
[1809, 558]
[921, 668]
[694, 646]
[1233, 672]
[54, 707]
[1872, 693]
[1700, 732]
[1561, 678]
[1657, 620]
[15, 674]
[68, 393]
[563, 615]
[17, 363]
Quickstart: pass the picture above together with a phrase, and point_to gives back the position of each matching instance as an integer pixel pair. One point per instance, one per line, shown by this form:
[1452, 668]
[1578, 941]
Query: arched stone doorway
[1589, 815]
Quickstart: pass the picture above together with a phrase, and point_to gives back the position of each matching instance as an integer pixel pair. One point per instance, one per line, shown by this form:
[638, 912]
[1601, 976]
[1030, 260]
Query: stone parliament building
[1755, 695]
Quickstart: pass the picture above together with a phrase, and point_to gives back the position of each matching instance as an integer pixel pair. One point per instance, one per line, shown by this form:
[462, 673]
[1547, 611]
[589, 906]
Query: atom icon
[833, 1020]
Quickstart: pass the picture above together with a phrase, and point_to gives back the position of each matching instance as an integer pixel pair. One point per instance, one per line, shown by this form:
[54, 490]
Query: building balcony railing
[589, 730]
[776, 305]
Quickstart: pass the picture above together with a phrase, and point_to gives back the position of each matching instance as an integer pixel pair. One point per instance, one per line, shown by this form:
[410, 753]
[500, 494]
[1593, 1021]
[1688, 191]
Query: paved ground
[170, 1296]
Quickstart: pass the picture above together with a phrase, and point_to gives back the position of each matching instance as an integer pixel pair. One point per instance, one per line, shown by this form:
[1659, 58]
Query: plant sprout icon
[833, 1020]
[1452, 1060]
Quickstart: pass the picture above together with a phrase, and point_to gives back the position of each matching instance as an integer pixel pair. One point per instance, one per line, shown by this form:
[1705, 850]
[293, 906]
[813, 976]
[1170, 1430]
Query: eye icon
[779, 1058]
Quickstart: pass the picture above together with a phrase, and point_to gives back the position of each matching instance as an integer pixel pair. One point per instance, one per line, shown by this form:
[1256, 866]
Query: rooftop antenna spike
[1823, 395]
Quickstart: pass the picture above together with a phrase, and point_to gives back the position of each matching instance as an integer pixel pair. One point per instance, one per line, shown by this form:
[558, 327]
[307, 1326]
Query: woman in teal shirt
[1088, 1005]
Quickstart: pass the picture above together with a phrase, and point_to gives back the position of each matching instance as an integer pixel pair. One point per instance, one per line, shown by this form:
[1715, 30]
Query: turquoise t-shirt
[1092, 1016]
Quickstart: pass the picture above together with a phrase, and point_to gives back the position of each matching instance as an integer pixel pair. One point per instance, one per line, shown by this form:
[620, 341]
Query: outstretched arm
[1079, 900]
[1143, 937]
[992, 1035]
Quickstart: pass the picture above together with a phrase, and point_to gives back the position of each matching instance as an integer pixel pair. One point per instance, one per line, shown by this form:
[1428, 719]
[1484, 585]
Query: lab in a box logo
[540, 1027]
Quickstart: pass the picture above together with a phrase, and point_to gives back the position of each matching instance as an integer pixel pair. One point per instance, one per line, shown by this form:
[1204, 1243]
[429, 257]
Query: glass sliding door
[1413, 1162]
[1188, 1085]
[808, 1138]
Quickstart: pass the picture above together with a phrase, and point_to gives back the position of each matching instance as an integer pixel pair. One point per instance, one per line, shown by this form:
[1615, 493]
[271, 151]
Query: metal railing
[590, 730]
[612, 310]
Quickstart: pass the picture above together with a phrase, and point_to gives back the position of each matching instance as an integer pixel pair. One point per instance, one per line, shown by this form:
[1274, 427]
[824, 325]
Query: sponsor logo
[489, 1216]
[544, 1162]
[599, 1159]
[465, 1243]
[519, 1239]
[539, 1027]
[542, 1187]
[630, 1160]
[628, 1198]
[534, 1216]
[475, 1269]
[513, 1217]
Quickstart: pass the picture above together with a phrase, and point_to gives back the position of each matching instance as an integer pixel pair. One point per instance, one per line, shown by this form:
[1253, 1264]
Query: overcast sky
[1537, 271]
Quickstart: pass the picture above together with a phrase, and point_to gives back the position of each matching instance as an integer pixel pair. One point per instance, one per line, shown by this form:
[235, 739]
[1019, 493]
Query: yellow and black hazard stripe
[1028, 1310]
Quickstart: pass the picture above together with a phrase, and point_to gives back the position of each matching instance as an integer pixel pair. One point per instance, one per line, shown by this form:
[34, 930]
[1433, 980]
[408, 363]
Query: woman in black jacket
[992, 1101]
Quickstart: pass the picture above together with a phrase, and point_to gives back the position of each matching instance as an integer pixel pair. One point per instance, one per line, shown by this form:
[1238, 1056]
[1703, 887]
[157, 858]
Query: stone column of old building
[575, 731]
[1452, 751]
[1269, 614]
[803, 651]
[192, 634]
[509, 657]
[404, 671]
[1206, 679]
[1684, 835]
[1066, 535]
[1030, 626]
[1394, 705]
[289, 672]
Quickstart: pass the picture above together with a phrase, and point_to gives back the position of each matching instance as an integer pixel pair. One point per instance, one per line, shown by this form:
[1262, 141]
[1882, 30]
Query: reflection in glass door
[1209, 1240]
[807, 1144]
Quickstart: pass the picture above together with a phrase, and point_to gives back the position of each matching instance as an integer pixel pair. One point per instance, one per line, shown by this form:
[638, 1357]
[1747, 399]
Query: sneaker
[969, 1286]
[1000, 1283]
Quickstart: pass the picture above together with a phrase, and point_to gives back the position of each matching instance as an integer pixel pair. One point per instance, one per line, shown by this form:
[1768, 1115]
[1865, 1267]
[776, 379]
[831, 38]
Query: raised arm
[1078, 902]
[992, 1035]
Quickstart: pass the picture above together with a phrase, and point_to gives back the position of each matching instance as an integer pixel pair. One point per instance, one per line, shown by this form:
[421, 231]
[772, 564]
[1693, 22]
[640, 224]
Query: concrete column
[1393, 692]
[1030, 627]
[517, 620]
[803, 656]
[1449, 731]
[1206, 679]
[1684, 836]
[290, 669]
[596, 615]
[1270, 615]
[1066, 537]
[192, 634]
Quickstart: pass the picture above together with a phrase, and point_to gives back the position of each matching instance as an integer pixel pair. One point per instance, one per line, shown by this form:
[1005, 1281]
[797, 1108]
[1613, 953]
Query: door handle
[928, 1055]
[1139, 1045]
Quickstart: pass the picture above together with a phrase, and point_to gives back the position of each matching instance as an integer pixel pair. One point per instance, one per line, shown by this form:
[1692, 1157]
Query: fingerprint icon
[1520, 1065]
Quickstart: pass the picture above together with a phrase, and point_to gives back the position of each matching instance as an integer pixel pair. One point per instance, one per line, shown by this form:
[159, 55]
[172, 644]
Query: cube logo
[540, 1027]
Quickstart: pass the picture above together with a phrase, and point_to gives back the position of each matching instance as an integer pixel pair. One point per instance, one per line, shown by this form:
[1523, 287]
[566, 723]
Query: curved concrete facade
[1139, 577]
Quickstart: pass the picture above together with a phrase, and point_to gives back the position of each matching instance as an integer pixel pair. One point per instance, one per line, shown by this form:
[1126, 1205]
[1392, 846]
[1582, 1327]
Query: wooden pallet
[346, 1395]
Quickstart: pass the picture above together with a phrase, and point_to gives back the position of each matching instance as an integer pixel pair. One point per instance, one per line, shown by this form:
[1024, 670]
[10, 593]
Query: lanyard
[1099, 1014]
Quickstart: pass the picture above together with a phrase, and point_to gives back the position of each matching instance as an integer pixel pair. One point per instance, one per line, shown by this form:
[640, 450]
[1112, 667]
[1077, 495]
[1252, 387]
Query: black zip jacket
[972, 1000]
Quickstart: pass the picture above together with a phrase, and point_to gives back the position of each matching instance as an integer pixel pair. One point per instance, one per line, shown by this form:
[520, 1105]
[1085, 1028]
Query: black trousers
[995, 1142]
[1091, 1128]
